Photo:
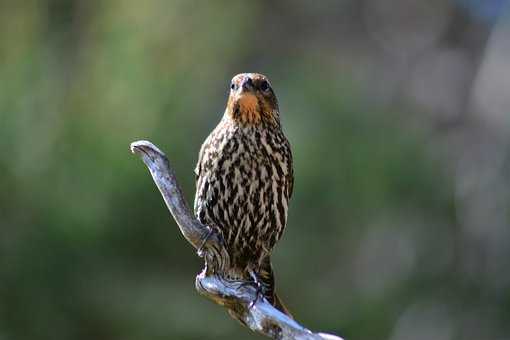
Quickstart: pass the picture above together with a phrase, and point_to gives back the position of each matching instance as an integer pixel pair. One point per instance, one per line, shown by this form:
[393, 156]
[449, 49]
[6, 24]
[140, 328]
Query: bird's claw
[200, 250]
[258, 287]
[259, 294]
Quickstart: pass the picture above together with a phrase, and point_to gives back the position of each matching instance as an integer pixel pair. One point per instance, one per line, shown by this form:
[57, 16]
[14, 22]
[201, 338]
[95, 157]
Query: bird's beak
[245, 96]
[246, 85]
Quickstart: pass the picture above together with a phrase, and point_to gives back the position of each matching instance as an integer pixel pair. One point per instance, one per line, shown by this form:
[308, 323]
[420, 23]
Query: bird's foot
[258, 286]
[200, 250]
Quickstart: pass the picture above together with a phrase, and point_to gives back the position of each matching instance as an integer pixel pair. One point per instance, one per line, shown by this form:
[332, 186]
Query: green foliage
[87, 248]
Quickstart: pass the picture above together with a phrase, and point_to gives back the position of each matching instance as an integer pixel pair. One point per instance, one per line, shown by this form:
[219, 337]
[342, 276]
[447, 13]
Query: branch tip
[145, 147]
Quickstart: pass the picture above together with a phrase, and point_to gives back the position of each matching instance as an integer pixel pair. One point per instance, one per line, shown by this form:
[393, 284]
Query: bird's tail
[265, 276]
[278, 304]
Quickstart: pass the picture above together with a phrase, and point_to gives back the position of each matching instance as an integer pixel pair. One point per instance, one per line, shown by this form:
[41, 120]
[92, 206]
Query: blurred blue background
[398, 114]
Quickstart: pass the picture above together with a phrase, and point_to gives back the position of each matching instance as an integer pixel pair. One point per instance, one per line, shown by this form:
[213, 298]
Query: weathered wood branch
[240, 299]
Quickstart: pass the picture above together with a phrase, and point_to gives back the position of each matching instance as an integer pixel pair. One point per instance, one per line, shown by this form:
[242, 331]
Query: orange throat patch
[246, 108]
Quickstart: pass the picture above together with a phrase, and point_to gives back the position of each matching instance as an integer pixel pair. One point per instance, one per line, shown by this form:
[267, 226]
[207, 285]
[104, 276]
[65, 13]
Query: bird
[244, 181]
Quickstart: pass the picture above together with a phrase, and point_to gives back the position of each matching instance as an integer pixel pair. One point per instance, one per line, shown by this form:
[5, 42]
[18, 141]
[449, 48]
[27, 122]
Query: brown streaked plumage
[245, 180]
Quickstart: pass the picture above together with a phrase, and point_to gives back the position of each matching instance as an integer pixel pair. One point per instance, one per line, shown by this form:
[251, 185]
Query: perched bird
[245, 179]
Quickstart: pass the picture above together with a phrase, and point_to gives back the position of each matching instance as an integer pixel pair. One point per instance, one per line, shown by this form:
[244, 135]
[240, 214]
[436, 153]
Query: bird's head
[252, 100]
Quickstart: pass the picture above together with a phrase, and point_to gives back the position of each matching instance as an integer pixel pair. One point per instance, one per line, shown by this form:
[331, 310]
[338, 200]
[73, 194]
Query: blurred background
[398, 114]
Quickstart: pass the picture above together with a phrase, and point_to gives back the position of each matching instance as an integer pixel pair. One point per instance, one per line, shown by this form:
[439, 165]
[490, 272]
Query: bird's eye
[232, 86]
[264, 86]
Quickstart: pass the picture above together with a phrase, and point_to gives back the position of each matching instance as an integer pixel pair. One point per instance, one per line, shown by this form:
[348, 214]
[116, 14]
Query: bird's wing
[198, 168]
[290, 174]
[290, 184]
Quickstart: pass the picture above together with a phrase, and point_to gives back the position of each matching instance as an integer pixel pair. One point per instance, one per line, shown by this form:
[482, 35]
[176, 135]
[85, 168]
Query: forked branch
[237, 297]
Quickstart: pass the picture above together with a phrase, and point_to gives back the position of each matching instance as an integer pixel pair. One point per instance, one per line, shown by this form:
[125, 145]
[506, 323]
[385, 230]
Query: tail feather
[266, 277]
[278, 304]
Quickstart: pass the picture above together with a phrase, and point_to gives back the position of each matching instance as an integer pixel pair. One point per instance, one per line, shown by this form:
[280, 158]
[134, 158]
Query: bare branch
[165, 180]
[237, 297]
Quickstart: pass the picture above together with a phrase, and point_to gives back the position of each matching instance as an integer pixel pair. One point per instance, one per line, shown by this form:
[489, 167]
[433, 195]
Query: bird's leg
[243, 283]
[200, 250]
[258, 286]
